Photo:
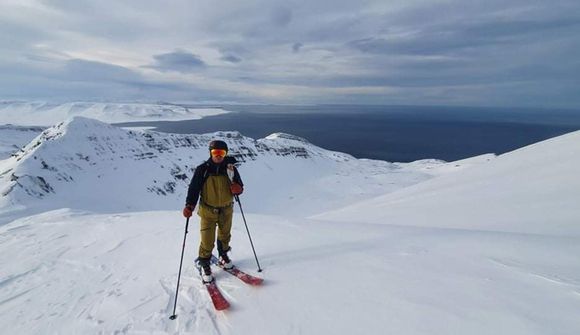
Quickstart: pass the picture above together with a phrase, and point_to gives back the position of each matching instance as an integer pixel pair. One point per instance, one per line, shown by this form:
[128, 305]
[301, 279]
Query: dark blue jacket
[206, 169]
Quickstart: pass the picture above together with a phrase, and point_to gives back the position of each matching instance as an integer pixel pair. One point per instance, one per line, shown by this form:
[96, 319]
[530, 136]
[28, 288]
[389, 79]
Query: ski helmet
[217, 144]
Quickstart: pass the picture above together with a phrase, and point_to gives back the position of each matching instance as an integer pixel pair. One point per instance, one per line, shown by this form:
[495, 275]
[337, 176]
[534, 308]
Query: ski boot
[224, 260]
[204, 268]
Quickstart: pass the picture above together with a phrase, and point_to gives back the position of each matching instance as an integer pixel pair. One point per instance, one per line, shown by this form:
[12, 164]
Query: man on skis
[212, 186]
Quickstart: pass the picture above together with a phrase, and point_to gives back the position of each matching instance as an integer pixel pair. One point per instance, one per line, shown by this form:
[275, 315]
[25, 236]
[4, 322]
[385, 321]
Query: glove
[236, 189]
[188, 210]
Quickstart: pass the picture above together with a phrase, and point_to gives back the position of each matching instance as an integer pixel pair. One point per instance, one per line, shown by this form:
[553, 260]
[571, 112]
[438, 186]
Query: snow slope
[47, 114]
[535, 189]
[102, 269]
[74, 272]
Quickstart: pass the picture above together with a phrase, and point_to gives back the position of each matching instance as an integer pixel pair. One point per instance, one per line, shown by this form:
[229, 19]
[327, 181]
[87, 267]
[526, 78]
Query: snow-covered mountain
[87, 164]
[91, 233]
[41, 113]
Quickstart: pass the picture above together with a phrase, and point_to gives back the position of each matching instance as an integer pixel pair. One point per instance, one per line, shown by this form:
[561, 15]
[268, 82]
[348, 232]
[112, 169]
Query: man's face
[218, 155]
[217, 159]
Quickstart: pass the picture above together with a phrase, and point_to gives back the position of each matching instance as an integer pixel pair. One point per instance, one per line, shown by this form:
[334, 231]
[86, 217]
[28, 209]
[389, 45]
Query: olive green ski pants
[210, 219]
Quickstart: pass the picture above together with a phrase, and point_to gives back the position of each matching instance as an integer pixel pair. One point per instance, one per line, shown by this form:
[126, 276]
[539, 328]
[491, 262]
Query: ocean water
[391, 133]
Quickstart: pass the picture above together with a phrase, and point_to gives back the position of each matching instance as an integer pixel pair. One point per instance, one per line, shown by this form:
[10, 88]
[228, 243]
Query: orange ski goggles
[218, 152]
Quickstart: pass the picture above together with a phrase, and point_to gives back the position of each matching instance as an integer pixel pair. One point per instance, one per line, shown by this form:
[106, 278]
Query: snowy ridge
[87, 164]
[47, 114]
[530, 190]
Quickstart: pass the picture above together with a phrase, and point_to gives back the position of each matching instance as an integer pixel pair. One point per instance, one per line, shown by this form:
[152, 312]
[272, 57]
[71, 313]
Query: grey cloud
[427, 44]
[84, 70]
[408, 72]
[72, 5]
[231, 59]
[178, 61]
[83, 79]
[119, 21]
[15, 35]
[421, 47]
[296, 47]
[281, 16]
[445, 38]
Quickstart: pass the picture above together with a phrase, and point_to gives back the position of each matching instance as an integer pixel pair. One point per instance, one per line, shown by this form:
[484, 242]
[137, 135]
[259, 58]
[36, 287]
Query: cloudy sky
[414, 52]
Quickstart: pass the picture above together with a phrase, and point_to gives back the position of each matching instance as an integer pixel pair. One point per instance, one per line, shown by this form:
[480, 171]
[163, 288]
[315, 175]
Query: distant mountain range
[39, 113]
[85, 163]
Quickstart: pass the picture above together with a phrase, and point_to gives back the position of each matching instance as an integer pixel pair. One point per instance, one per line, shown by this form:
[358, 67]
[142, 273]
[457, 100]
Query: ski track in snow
[91, 287]
[387, 278]
[549, 277]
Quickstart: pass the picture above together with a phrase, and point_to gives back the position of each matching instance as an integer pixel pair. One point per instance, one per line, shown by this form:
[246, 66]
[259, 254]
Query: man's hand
[188, 210]
[236, 189]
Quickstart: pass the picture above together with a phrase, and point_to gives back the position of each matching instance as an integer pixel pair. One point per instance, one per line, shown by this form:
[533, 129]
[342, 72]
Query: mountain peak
[76, 128]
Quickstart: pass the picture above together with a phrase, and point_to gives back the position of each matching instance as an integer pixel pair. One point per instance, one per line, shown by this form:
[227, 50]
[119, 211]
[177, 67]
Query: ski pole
[249, 236]
[231, 176]
[172, 317]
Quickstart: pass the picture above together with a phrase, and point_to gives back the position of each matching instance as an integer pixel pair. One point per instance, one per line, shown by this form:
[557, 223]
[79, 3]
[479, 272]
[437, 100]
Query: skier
[214, 190]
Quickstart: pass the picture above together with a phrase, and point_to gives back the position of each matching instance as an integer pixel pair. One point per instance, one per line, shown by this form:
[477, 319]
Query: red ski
[219, 302]
[246, 278]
